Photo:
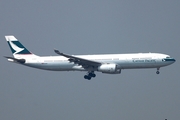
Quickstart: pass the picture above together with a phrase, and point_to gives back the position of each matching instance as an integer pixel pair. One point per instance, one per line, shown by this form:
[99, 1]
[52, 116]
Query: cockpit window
[168, 57]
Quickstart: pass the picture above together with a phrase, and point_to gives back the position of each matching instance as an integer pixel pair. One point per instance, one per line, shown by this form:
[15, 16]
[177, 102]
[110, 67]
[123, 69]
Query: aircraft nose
[170, 59]
[173, 60]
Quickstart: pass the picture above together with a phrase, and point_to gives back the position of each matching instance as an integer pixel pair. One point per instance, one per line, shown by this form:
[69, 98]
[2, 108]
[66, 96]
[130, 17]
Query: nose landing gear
[157, 72]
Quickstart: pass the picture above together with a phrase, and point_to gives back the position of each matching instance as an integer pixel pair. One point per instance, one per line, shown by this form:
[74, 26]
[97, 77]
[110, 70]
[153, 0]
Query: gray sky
[90, 27]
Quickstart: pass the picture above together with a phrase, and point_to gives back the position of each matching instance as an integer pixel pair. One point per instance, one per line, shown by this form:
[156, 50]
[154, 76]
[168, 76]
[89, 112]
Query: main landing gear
[89, 75]
[157, 72]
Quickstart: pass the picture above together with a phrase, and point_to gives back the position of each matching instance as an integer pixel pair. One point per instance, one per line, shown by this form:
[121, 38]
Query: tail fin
[16, 47]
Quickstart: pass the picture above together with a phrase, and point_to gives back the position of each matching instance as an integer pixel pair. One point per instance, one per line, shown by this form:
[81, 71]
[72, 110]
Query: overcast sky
[90, 27]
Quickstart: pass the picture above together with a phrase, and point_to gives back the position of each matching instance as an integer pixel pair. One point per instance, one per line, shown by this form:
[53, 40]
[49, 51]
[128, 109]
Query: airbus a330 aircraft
[105, 63]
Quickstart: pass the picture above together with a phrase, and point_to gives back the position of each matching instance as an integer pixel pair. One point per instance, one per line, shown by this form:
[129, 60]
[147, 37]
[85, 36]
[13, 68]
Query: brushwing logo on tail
[15, 47]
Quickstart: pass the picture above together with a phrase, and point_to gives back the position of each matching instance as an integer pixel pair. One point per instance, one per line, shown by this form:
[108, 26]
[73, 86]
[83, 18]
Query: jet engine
[109, 69]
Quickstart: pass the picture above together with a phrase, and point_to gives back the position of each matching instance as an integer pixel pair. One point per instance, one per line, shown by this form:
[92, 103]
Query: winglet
[63, 54]
[57, 51]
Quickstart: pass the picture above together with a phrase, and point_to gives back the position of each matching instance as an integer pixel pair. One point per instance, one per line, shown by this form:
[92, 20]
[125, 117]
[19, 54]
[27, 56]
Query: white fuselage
[123, 61]
[105, 63]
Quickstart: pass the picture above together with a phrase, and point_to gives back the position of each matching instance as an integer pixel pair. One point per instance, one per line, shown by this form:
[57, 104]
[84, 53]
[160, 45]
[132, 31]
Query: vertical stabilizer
[16, 47]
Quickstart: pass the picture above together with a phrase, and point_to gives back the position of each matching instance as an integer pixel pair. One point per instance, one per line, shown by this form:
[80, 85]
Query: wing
[80, 61]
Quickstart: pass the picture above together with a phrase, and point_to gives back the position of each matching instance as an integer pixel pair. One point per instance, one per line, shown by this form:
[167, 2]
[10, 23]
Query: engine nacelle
[109, 69]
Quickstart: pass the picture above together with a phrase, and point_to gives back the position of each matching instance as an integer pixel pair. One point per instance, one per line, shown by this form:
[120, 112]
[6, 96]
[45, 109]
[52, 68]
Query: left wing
[80, 61]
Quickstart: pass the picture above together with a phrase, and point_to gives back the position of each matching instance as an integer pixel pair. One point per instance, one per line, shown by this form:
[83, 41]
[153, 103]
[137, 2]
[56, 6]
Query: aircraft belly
[52, 66]
[132, 65]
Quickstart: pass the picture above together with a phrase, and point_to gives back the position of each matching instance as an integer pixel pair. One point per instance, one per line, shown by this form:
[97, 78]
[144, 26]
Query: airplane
[105, 63]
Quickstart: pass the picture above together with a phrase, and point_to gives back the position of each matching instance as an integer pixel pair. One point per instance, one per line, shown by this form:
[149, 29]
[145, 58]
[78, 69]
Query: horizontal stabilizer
[11, 59]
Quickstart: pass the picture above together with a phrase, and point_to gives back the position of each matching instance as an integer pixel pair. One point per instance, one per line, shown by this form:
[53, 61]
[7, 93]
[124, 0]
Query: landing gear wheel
[92, 75]
[87, 77]
[157, 72]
